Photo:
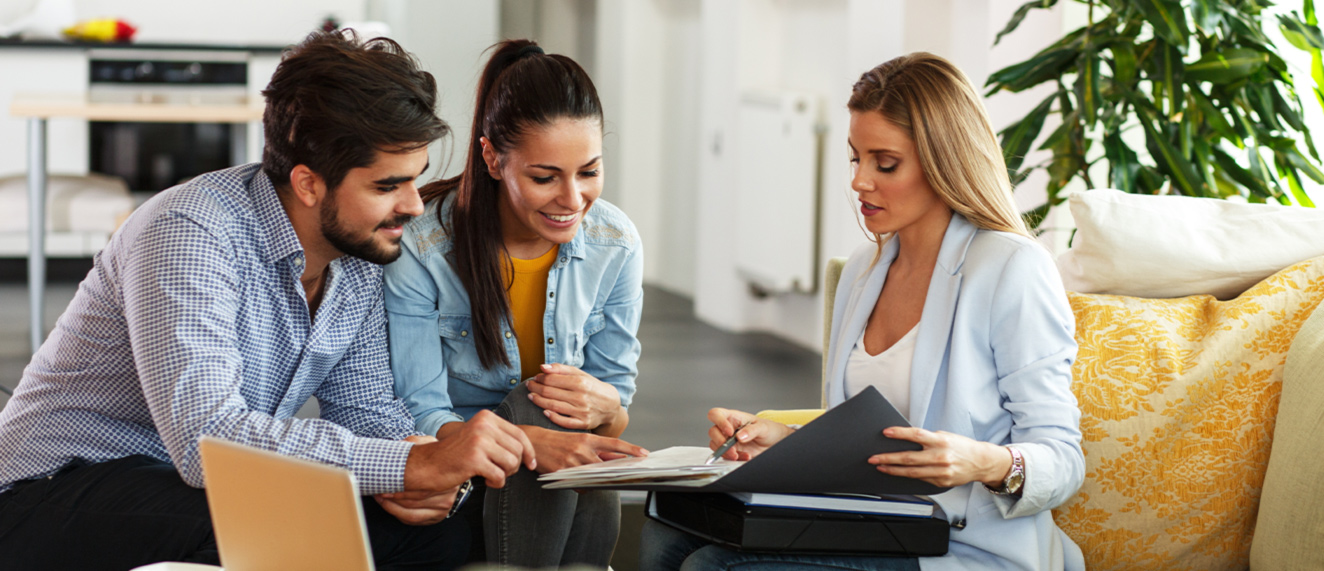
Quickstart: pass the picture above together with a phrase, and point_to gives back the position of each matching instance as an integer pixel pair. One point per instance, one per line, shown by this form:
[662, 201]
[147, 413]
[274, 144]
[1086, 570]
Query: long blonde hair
[933, 102]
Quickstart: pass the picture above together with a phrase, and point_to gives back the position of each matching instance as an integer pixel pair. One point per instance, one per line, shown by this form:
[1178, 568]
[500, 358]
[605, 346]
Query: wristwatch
[1011, 485]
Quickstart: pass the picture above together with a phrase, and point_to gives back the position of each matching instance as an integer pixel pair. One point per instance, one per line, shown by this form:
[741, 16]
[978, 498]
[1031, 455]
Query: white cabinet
[42, 70]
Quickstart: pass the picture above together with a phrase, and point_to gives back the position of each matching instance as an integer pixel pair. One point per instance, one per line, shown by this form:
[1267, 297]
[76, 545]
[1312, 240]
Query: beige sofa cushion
[1178, 399]
[1289, 532]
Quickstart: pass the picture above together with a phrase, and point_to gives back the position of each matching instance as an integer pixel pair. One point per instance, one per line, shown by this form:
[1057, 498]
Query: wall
[449, 38]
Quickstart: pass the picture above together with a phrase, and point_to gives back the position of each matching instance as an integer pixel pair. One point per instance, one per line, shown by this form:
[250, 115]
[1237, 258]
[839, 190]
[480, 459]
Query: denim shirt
[594, 301]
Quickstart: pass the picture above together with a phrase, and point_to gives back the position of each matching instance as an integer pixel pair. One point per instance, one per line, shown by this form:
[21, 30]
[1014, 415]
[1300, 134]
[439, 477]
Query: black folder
[827, 456]
[723, 520]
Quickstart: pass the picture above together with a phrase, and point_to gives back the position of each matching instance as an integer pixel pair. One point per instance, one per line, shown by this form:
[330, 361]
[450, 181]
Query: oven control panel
[168, 77]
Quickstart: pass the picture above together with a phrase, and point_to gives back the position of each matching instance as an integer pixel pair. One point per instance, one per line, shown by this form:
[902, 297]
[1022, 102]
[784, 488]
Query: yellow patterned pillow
[1178, 399]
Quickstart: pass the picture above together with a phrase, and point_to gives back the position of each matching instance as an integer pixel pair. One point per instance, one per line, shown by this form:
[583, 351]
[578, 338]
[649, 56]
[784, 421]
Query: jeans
[527, 526]
[133, 511]
[664, 548]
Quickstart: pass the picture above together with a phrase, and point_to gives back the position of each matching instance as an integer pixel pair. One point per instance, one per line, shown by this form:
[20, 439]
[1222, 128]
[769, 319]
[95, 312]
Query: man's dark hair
[334, 101]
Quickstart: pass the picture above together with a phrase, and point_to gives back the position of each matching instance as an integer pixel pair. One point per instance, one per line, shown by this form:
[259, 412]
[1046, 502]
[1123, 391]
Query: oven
[155, 156]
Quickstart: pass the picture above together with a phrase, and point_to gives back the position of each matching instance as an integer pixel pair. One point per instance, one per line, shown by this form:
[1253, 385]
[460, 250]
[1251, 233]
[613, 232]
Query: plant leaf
[1260, 100]
[1017, 138]
[1168, 19]
[1172, 70]
[1228, 165]
[1042, 67]
[1285, 110]
[1087, 86]
[1183, 175]
[1123, 164]
[1213, 117]
[1226, 66]
[1020, 15]
[1294, 184]
[1149, 180]
[1207, 16]
[1296, 159]
[1124, 61]
[1302, 35]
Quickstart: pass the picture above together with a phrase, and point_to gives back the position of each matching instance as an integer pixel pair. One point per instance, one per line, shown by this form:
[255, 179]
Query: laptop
[271, 511]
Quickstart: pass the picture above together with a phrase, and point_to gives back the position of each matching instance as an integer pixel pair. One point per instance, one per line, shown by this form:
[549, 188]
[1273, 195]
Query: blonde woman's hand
[574, 399]
[756, 435]
[947, 460]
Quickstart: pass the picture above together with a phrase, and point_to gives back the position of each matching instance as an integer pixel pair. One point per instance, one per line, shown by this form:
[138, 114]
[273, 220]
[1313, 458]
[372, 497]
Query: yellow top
[528, 302]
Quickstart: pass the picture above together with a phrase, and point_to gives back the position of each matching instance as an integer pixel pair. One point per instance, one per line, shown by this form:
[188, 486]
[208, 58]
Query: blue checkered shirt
[193, 322]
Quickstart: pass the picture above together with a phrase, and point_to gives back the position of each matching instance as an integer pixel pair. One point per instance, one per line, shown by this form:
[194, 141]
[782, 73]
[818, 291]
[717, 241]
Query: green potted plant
[1216, 103]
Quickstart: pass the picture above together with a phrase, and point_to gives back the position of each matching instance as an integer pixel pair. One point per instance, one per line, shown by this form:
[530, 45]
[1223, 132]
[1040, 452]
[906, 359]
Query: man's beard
[363, 247]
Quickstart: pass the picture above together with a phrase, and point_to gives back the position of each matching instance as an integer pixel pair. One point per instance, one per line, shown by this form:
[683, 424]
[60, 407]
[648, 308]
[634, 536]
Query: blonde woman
[958, 318]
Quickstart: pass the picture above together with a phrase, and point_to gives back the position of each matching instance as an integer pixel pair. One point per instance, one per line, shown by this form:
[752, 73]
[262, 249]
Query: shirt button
[464, 334]
[507, 335]
[550, 341]
[551, 294]
[514, 381]
[563, 259]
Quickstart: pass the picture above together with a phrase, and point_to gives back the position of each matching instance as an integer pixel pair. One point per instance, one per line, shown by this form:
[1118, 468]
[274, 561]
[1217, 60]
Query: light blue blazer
[992, 362]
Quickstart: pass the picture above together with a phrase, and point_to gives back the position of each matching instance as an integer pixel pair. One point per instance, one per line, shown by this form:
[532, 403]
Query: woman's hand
[574, 399]
[947, 460]
[756, 435]
[556, 450]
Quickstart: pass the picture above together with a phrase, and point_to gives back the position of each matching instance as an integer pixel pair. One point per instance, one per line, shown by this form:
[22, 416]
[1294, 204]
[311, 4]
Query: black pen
[726, 445]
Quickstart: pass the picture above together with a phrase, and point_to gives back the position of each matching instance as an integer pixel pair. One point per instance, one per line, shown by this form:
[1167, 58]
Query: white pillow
[1175, 246]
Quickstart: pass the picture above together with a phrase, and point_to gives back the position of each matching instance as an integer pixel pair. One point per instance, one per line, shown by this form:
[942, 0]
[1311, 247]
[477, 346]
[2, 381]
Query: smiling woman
[517, 271]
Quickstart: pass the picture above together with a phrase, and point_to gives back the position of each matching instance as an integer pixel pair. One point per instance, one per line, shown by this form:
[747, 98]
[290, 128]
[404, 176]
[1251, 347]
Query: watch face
[1014, 482]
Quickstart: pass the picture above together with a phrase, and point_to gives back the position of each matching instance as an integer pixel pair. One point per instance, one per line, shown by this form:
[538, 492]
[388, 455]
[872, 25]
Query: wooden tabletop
[77, 106]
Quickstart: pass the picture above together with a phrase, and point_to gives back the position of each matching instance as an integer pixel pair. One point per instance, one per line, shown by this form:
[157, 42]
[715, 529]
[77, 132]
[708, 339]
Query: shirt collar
[282, 242]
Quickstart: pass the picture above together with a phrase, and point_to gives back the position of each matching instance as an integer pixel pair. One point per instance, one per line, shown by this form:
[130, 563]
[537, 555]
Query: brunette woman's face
[548, 181]
[887, 177]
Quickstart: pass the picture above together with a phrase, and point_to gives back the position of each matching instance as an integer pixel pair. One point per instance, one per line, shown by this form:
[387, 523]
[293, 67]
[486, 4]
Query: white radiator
[779, 146]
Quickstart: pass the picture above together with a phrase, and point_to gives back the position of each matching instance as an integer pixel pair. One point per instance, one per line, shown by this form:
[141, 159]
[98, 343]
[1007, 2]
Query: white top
[888, 371]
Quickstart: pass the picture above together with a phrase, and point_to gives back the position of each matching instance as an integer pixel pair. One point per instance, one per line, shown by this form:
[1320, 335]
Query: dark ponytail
[520, 88]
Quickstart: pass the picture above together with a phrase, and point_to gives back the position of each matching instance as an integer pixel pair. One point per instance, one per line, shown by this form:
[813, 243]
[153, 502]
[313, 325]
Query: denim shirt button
[514, 381]
[551, 341]
[464, 334]
[551, 294]
[507, 335]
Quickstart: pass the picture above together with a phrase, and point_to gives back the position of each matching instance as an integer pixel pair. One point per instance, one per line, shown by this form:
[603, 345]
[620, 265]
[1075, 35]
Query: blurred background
[725, 144]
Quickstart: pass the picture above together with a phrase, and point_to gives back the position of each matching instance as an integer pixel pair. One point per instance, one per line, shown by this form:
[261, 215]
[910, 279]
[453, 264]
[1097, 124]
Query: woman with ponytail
[956, 316]
[520, 291]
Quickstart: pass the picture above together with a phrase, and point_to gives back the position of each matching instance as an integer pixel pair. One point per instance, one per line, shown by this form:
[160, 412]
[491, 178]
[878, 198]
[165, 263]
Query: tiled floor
[686, 368]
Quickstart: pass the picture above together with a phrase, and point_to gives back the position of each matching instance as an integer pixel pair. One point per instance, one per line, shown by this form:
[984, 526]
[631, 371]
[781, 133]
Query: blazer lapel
[935, 323]
[865, 290]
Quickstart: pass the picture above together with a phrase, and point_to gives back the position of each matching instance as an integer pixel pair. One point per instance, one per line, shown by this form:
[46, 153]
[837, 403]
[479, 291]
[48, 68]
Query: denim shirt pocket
[596, 322]
[457, 347]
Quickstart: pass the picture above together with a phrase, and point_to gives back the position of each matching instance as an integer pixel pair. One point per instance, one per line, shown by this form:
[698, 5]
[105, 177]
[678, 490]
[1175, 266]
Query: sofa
[1198, 414]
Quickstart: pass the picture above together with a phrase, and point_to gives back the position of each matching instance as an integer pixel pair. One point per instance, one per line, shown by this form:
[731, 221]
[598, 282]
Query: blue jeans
[527, 526]
[663, 548]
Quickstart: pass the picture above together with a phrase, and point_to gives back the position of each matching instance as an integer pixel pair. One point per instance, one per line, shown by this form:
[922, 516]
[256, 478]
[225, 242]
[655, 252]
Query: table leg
[36, 229]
